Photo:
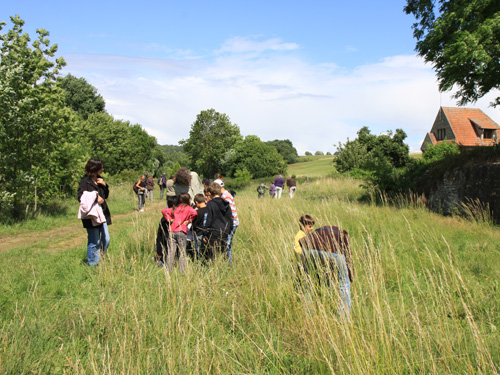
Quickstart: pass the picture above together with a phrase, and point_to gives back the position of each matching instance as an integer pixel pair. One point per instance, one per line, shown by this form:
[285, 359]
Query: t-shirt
[229, 199]
[300, 234]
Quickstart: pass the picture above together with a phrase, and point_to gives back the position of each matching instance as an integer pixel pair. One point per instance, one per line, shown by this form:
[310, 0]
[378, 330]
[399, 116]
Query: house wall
[441, 122]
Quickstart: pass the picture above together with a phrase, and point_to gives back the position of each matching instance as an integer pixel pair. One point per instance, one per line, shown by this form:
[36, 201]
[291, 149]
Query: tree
[286, 149]
[37, 152]
[81, 96]
[461, 38]
[308, 153]
[319, 153]
[210, 137]
[257, 157]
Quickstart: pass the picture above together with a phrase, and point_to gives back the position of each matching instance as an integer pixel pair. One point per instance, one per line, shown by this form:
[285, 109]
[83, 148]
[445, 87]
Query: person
[162, 183]
[179, 217]
[326, 255]
[97, 235]
[279, 182]
[205, 182]
[228, 197]
[187, 181]
[292, 186]
[306, 223]
[141, 191]
[150, 185]
[272, 190]
[262, 189]
[171, 191]
[208, 195]
[218, 222]
[201, 208]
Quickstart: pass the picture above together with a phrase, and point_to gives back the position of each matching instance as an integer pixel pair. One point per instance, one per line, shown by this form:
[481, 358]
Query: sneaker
[141, 210]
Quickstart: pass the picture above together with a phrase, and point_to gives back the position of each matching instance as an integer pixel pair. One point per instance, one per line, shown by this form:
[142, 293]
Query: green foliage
[308, 153]
[349, 156]
[257, 157]
[241, 179]
[37, 157]
[285, 149]
[462, 40]
[319, 153]
[174, 154]
[440, 151]
[210, 137]
[81, 96]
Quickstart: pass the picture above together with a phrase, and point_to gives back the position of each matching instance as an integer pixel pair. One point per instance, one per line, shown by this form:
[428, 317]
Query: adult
[150, 185]
[279, 182]
[187, 182]
[141, 192]
[162, 183]
[171, 197]
[228, 197]
[97, 235]
[292, 186]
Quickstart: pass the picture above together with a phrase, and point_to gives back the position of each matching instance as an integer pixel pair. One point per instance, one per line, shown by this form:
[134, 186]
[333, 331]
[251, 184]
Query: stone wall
[471, 182]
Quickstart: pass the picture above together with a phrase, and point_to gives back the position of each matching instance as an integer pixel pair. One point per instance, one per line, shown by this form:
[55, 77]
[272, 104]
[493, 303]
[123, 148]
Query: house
[468, 127]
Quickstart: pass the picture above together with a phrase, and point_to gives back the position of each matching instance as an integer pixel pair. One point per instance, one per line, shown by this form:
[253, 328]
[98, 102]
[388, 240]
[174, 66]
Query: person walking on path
[141, 192]
[292, 186]
[162, 183]
[97, 235]
[150, 185]
[279, 182]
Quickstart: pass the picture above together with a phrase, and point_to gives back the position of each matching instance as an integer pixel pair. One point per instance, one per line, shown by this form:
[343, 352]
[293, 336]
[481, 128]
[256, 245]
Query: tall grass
[425, 299]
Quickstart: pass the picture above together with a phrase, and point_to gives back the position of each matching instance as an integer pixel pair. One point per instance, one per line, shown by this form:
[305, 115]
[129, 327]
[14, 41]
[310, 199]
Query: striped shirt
[229, 199]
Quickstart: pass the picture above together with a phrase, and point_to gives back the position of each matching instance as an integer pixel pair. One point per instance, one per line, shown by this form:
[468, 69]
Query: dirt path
[68, 236]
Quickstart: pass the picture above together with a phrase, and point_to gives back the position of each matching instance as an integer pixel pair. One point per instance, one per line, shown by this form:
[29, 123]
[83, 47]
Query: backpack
[135, 188]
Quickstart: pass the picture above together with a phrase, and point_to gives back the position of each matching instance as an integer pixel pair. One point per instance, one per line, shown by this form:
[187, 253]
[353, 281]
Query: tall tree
[81, 96]
[461, 38]
[35, 144]
[210, 137]
[286, 149]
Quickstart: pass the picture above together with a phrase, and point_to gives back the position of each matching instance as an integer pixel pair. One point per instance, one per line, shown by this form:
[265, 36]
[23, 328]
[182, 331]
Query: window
[488, 133]
[441, 134]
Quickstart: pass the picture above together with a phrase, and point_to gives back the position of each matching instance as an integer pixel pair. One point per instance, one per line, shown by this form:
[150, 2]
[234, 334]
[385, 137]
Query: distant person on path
[97, 236]
[162, 183]
[141, 192]
[279, 182]
[150, 185]
[171, 191]
[262, 189]
[272, 190]
[179, 217]
[228, 197]
[292, 186]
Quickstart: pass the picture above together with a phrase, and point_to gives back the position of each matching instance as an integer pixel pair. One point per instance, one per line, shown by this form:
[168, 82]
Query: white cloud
[274, 96]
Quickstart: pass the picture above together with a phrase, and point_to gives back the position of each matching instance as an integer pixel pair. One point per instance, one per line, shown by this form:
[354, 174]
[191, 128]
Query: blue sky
[313, 72]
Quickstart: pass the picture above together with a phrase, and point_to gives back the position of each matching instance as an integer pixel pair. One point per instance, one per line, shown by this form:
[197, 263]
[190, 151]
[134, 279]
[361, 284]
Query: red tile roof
[460, 120]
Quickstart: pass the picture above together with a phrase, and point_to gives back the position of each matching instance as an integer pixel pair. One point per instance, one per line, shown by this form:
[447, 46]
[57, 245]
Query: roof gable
[462, 122]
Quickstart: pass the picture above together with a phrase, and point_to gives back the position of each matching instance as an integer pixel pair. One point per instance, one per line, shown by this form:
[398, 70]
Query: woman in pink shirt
[179, 216]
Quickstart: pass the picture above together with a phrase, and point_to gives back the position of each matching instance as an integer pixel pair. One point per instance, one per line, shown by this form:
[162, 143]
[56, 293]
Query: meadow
[425, 297]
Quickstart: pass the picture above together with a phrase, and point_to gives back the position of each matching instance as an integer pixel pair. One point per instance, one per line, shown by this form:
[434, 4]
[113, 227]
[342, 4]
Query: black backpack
[135, 188]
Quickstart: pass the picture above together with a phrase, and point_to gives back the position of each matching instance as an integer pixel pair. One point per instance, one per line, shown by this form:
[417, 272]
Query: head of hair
[218, 176]
[182, 199]
[306, 220]
[183, 176]
[93, 167]
[205, 181]
[232, 192]
[200, 198]
[214, 189]
[171, 176]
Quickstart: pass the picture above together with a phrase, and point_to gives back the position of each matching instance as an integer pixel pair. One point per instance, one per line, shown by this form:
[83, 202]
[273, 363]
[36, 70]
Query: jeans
[97, 237]
[279, 190]
[326, 262]
[162, 191]
[140, 194]
[229, 242]
[292, 191]
[176, 240]
[150, 195]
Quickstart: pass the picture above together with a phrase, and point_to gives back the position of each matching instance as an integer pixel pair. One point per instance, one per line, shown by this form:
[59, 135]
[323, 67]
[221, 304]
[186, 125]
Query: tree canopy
[81, 96]
[210, 137]
[286, 149]
[462, 41]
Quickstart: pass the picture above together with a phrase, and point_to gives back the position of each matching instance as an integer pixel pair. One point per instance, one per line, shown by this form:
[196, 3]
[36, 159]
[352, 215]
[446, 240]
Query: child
[179, 216]
[218, 221]
[306, 227]
[262, 189]
[228, 197]
[272, 190]
[201, 208]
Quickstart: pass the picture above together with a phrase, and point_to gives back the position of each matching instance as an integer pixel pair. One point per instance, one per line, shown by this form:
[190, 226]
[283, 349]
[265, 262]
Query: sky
[312, 72]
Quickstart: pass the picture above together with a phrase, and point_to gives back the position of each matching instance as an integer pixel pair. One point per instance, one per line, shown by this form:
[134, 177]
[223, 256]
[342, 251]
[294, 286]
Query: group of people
[276, 188]
[202, 217]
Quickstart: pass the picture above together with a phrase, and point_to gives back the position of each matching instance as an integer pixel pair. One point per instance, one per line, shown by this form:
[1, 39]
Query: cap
[219, 182]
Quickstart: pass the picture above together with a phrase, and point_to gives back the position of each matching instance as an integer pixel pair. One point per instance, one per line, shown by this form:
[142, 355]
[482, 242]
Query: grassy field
[425, 298]
[319, 166]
